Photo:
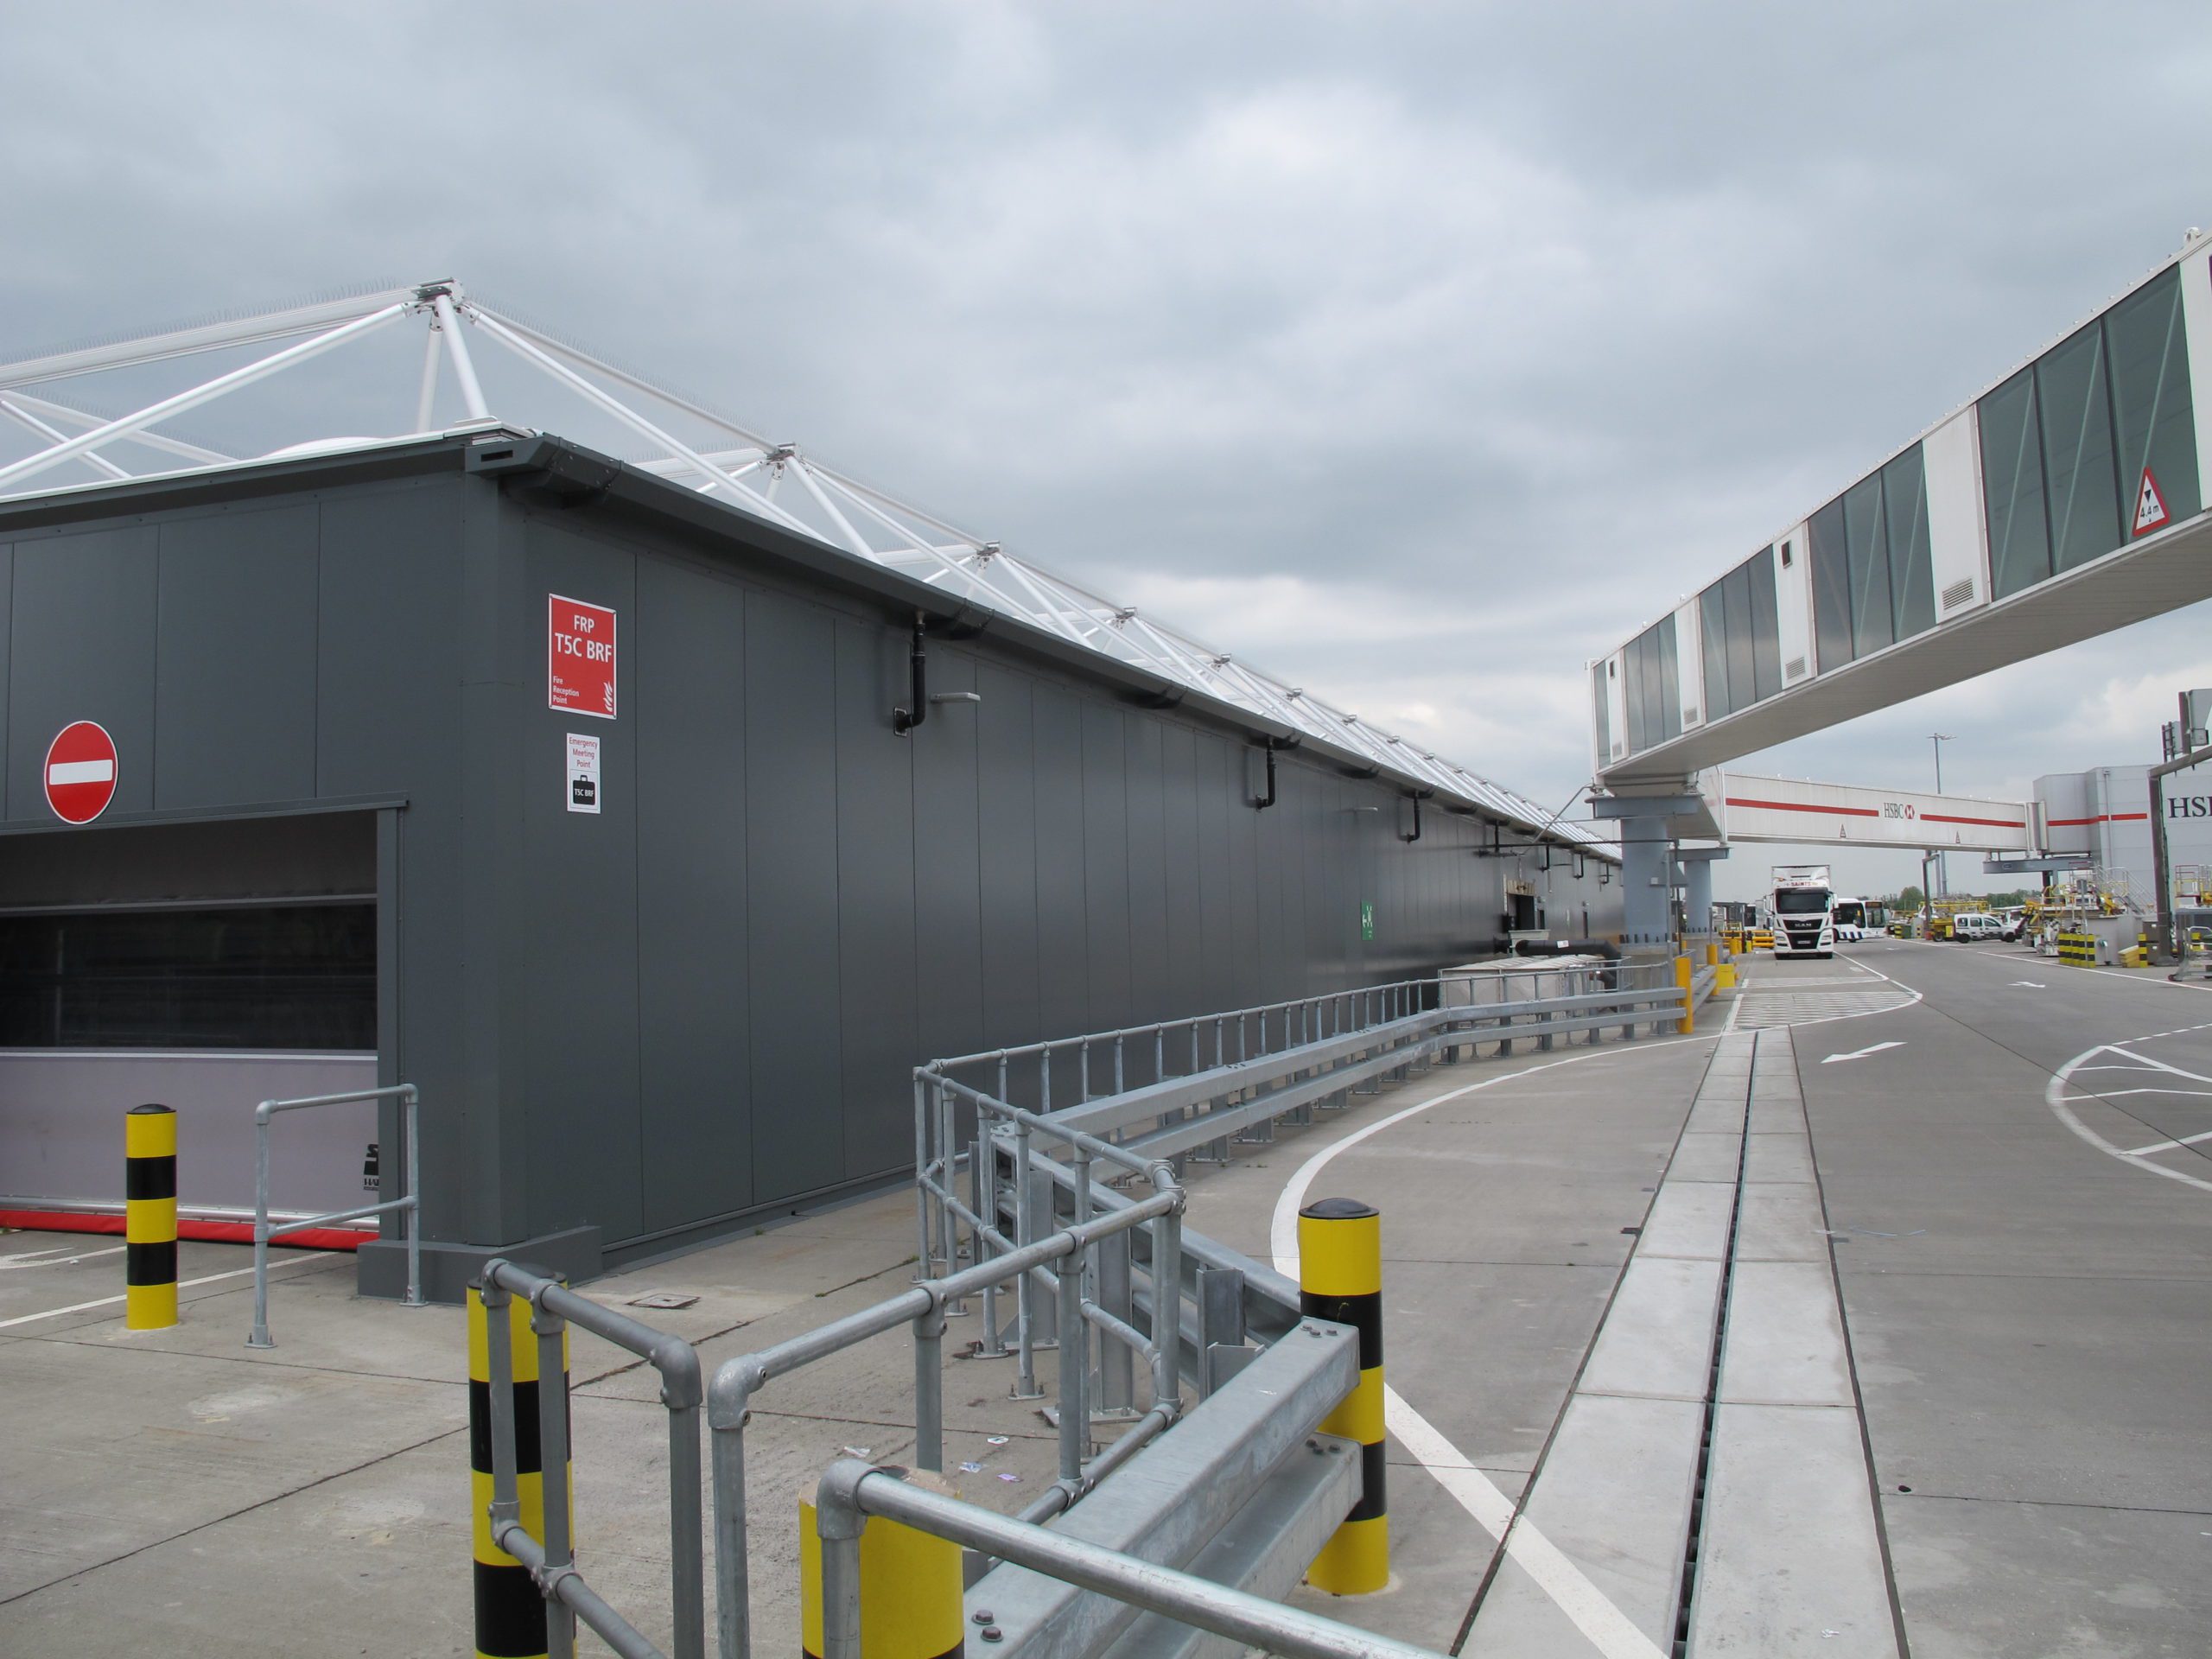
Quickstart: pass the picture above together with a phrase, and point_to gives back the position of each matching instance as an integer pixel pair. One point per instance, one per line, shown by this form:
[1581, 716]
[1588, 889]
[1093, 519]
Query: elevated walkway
[2064, 502]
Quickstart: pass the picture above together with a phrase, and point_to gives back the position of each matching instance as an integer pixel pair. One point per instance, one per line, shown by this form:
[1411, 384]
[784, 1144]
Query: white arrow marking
[2032, 984]
[1860, 1053]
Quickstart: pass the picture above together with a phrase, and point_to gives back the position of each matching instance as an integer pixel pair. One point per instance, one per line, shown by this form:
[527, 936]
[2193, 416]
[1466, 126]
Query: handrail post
[259, 1337]
[1074, 1364]
[928, 1386]
[411, 1119]
[553, 1464]
[1025, 1317]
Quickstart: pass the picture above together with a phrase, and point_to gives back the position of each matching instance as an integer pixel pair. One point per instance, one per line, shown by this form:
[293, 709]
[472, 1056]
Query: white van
[1970, 926]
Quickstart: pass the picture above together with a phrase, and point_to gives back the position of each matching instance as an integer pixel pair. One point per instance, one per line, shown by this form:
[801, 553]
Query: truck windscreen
[1800, 901]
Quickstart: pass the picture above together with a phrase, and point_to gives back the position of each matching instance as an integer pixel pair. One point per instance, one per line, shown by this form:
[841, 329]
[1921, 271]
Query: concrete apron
[1708, 1478]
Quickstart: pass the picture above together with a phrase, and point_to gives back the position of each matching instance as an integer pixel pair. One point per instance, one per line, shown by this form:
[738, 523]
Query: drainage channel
[1713, 1378]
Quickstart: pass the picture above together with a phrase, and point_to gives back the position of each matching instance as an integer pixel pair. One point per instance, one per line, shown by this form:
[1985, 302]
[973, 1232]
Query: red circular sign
[80, 772]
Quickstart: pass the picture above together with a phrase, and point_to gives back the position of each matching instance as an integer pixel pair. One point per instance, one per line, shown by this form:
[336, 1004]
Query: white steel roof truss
[922, 545]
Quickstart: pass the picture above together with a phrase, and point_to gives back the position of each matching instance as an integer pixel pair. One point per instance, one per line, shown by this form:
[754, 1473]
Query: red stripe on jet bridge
[1994, 823]
[2101, 818]
[1802, 806]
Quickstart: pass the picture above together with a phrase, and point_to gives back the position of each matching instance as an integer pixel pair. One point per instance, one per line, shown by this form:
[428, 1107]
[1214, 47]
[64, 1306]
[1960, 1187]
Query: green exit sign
[1366, 920]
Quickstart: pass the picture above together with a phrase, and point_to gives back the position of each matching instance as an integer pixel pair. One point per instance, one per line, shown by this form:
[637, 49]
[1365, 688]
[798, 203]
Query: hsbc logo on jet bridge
[2188, 806]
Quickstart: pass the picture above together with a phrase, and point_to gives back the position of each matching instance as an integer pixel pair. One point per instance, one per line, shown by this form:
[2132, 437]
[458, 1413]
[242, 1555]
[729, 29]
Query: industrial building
[654, 841]
[2103, 816]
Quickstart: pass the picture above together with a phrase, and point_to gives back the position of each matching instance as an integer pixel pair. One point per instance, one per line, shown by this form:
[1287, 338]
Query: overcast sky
[1418, 353]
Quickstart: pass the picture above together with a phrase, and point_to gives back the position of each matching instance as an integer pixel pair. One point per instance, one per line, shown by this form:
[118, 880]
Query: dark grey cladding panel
[1148, 872]
[82, 647]
[875, 838]
[1106, 866]
[7, 608]
[1218, 788]
[1063, 966]
[687, 678]
[1183, 970]
[306, 855]
[388, 661]
[235, 658]
[575, 944]
[791, 857]
[948, 876]
[1007, 827]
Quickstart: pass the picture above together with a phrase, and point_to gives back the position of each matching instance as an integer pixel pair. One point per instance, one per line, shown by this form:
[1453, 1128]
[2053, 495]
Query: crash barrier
[409, 1206]
[1340, 1279]
[526, 1422]
[1185, 1089]
[2078, 948]
[851, 1493]
[923, 1309]
[149, 1218]
[1244, 1489]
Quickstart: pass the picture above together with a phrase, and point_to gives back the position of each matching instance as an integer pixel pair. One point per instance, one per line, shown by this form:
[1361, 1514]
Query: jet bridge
[2064, 502]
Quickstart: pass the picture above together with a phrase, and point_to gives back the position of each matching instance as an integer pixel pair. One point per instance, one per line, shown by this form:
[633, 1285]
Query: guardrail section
[409, 1206]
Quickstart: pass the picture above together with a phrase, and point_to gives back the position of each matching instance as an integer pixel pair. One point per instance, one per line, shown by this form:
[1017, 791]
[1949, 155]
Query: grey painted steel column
[1647, 860]
[1697, 900]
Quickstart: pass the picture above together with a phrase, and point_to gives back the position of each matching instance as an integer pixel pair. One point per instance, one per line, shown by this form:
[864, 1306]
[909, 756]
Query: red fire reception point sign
[80, 772]
[579, 657]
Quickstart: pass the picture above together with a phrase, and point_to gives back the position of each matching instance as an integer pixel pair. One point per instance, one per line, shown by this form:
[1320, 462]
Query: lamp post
[1943, 882]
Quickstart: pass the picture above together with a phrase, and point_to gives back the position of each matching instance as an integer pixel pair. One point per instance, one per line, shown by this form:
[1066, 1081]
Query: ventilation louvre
[1958, 593]
[1794, 669]
[1689, 717]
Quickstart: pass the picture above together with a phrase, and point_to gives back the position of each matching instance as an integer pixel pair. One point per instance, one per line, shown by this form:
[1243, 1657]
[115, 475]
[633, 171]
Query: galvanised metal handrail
[923, 1307]
[410, 1207]
[1169, 1072]
[852, 1489]
[551, 1559]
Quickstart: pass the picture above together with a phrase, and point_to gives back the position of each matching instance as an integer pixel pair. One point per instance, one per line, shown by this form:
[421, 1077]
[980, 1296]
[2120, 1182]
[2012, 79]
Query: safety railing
[852, 1491]
[923, 1308]
[411, 1206]
[551, 1560]
[1187, 1088]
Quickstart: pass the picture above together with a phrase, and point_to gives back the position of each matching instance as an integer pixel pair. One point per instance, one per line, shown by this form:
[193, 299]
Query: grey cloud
[1532, 317]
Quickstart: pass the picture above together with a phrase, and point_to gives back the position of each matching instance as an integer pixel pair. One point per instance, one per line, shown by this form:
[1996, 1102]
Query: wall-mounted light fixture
[1580, 864]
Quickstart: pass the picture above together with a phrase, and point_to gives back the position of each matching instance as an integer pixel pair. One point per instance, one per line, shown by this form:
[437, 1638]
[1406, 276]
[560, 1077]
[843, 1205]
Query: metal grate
[1958, 593]
[1794, 669]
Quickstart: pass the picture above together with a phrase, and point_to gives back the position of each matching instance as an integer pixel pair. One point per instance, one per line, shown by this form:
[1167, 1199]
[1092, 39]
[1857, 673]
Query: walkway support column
[1647, 864]
[1697, 864]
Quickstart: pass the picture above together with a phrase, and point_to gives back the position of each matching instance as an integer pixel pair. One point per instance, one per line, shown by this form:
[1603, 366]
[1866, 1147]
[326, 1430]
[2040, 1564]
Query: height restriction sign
[579, 657]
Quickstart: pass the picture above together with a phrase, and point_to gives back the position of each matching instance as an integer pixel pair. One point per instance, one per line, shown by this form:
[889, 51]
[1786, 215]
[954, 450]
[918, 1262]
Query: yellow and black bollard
[149, 1218]
[910, 1583]
[1683, 980]
[510, 1612]
[1340, 1279]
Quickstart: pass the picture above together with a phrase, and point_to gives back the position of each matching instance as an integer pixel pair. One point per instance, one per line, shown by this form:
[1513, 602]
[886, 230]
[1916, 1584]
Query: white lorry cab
[1803, 903]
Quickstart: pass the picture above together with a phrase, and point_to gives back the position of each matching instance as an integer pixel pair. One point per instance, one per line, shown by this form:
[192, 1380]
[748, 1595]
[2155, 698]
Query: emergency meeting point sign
[579, 657]
[80, 770]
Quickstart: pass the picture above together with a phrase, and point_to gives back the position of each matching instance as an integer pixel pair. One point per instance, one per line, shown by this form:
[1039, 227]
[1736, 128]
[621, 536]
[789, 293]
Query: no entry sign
[80, 772]
[579, 657]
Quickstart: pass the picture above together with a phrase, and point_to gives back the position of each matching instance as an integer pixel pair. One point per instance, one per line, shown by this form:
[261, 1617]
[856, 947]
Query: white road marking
[2030, 984]
[62, 1257]
[110, 1302]
[2166, 1146]
[2054, 1095]
[1609, 1629]
[1861, 1053]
